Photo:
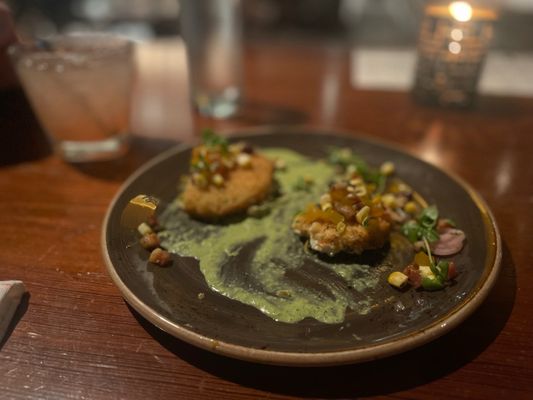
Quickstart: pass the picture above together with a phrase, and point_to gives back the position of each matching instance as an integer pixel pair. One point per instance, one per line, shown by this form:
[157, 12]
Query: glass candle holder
[452, 46]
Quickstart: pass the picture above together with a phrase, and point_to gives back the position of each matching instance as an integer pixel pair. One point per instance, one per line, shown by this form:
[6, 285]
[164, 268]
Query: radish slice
[450, 242]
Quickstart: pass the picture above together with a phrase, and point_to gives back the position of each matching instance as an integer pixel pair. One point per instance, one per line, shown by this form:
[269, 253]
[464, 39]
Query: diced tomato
[413, 274]
[452, 271]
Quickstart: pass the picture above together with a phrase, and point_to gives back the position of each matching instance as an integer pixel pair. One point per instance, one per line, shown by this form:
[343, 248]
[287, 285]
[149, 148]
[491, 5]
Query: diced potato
[160, 257]
[144, 229]
[426, 272]
[149, 241]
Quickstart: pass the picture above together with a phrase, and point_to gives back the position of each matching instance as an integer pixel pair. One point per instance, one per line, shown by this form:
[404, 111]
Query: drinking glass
[79, 86]
[212, 30]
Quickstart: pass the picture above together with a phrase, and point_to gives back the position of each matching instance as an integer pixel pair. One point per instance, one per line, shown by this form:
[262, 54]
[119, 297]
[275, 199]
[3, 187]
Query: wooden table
[76, 338]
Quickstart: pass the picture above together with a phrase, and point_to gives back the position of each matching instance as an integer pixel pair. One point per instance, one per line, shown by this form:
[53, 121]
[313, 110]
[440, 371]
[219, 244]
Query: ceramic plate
[168, 297]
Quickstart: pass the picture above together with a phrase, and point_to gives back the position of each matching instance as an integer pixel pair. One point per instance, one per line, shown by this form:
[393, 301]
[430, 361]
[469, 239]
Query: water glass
[212, 30]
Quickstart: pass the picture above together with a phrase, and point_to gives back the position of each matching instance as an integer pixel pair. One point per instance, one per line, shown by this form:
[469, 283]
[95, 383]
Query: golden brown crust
[243, 188]
[354, 238]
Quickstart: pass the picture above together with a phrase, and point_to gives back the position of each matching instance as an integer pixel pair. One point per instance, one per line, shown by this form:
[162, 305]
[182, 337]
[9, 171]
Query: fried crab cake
[241, 188]
[225, 179]
[326, 237]
[346, 220]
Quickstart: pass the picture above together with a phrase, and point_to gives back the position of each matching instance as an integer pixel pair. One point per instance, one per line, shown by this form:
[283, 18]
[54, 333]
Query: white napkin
[11, 293]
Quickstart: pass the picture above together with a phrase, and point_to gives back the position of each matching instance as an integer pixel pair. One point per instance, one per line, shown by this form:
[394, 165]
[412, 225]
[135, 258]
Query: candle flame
[461, 11]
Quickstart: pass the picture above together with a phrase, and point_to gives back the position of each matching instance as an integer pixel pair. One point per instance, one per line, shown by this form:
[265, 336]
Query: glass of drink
[79, 85]
[212, 30]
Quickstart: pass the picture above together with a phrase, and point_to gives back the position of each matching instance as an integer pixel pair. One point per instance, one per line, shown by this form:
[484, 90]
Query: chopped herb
[302, 184]
[439, 270]
[423, 227]
[411, 230]
[442, 270]
[428, 217]
[211, 139]
[346, 159]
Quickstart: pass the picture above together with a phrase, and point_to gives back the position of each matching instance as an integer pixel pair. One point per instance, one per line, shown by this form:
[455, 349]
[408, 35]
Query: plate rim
[396, 345]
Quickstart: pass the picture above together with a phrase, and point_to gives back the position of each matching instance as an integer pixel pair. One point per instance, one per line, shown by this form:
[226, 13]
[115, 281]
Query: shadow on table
[401, 372]
[22, 140]
[21, 137]
[141, 150]
[19, 313]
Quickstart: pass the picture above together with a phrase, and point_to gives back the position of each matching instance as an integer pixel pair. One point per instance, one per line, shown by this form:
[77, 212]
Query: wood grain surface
[75, 338]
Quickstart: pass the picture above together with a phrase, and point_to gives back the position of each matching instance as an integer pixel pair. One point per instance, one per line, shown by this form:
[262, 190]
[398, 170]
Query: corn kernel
[244, 160]
[389, 200]
[144, 229]
[402, 187]
[410, 207]
[326, 206]
[356, 181]
[218, 180]
[397, 279]
[360, 191]
[387, 168]
[325, 198]
[199, 180]
[362, 214]
[351, 169]
[341, 226]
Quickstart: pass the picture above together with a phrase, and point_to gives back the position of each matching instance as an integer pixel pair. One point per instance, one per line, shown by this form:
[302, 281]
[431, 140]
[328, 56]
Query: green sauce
[262, 263]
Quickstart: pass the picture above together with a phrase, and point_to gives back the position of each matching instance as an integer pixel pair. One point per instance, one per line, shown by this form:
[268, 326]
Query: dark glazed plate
[168, 297]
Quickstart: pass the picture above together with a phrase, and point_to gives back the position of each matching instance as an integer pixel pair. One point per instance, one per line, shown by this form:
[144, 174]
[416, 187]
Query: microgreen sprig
[423, 227]
[345, 158]
[211, 139]
[440, 271]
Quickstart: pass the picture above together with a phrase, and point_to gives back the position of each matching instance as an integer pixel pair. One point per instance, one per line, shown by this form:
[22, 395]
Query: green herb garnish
[302, 184]
[211, 139]
[440, 272]
[423, 227]
[345, 158]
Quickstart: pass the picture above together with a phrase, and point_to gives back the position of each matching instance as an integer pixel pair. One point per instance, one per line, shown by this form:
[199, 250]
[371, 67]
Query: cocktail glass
[79, 85]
